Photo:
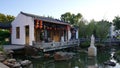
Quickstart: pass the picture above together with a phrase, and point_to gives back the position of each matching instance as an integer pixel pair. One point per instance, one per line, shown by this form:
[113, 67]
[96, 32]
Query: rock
[16, 65]
[30, 51]
[2, 56]
[110, 63]
[12, 63]
[3, 66]
[46, 55]
[25, 63]
[8, 63]
[9, 53]
[63, 56]
[1, 53]
[11, 60]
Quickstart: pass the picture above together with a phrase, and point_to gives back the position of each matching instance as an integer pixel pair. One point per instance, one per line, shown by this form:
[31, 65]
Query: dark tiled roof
[47, 19]
[5, 26]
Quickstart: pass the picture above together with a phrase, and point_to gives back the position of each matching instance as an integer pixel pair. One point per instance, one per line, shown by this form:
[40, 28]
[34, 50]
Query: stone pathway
[3, 66]
[13, 47]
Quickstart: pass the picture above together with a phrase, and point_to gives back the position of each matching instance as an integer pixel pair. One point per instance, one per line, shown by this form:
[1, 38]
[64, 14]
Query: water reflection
[81, 60]
[58, 64]
[92, 62]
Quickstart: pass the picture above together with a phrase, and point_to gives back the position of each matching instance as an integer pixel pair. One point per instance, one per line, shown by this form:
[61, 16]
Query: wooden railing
[56, 45]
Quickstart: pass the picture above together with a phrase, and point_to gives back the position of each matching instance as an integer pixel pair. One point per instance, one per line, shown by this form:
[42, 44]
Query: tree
[117, 22]
[82, 28]
[102, 29]
[6, 18]
[10, 18]
[71, 18]
[90, 28]
[2, 18]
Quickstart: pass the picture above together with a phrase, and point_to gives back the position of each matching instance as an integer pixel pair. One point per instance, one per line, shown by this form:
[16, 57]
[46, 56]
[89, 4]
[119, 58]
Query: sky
[90, 9]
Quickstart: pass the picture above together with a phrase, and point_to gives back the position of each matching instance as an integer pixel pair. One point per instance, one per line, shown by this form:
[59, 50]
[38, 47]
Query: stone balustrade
[56, 45]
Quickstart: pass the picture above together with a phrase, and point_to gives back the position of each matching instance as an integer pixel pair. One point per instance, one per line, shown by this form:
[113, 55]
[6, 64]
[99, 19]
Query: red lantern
[67, 28]
[41, 24]
[37, 24]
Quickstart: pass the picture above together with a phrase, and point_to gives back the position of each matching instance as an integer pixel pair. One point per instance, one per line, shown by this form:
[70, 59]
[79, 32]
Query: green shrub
[118, 53]
[4, 34]
[85, 44]
[4, 43]
[1, 47]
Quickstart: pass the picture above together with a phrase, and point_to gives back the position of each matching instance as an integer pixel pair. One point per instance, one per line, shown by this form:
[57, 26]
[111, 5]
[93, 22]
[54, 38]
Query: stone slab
[3, 66]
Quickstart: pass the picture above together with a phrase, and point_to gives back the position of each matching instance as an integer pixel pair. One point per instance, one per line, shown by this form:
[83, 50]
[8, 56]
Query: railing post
[53, 43]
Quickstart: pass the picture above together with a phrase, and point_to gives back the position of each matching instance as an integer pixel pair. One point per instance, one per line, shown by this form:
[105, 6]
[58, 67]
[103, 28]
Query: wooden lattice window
[17, 32]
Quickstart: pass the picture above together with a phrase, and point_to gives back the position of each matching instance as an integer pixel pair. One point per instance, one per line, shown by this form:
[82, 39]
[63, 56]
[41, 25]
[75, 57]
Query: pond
[80, 60]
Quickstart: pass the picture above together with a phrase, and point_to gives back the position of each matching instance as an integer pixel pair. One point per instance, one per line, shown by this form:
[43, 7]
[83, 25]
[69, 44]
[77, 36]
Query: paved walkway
[3, 66]
[13, 47]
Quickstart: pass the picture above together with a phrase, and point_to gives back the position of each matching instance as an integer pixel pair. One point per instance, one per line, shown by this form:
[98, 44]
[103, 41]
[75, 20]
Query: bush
[1, 47]
[4, 34]
[4, 43]
[118, 53]
[85, 44]
[117, 56]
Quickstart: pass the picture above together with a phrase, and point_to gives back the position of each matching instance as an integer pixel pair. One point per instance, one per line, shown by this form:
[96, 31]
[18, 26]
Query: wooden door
[27, 35]
[56, 36]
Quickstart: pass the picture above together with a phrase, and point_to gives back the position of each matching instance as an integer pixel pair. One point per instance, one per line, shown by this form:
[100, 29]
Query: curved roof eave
[56, 21]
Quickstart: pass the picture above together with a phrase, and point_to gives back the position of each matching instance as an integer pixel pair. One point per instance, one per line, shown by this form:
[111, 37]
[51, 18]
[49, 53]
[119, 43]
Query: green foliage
[102, 29]
[90, 28]
[118, 37]
[4, 34]
[118, 52]
[6, 18]
[1, 47]
[4, 42]
[82, 29]
[71, 18]
[117, 22]
[117, 56]
[85, 44]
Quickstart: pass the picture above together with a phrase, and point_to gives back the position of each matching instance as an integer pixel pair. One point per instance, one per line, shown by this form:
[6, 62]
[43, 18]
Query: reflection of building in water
[76, 63]
[92, 62]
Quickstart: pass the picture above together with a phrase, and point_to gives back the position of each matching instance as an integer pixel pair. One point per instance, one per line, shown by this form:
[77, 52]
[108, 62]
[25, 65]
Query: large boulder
[12, 63]
[30, 51]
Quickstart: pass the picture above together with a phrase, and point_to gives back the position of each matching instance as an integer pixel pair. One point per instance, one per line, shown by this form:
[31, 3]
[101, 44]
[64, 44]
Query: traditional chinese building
[30, 29]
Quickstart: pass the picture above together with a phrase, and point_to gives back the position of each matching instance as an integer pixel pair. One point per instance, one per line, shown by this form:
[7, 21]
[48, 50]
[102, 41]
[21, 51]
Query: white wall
[21, 21]
[69, 35]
